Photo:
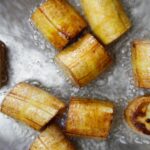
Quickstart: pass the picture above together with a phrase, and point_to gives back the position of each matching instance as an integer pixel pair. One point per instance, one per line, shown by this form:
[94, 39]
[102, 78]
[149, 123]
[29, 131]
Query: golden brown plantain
[3, 66]
[89, 118]
[58, 21]
[49, 31]
[137, 115]
[84, 60]
[107, 18]
[31, 105]
[141, 63]
[52, 139]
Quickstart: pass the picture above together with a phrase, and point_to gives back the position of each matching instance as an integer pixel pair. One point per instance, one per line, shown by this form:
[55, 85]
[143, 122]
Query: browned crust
[3, 64]
[52, 138]
[142, 81]
[84, 61]
[134, 110]
[48, 30]
[76, 130]
[69, 28]
[42, 109]
[61, 22]
[134, 55]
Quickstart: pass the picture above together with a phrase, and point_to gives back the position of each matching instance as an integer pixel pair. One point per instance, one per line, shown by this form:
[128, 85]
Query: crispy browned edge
[127, 119]
[45, 129]
[58, 114]
[4, 73]
[133, 60]
[86, 136]
[69, 39]
[70, 73]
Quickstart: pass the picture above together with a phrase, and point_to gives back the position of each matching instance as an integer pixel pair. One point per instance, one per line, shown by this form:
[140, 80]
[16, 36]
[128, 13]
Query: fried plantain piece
[52, 139]
[3, 65]
[141, 63]
[58, 21]
[49, 31]
[89, 118]
[137, 115]
[107, 18]
[84, 60]
[31, 105]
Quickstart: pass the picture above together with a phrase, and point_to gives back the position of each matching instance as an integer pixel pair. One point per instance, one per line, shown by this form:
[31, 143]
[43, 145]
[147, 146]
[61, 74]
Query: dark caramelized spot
[141, 127]
[3, 64]
[148, 120]
[141, 112]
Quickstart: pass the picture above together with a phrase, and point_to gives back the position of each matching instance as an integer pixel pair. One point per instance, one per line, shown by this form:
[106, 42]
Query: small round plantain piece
[137, 115]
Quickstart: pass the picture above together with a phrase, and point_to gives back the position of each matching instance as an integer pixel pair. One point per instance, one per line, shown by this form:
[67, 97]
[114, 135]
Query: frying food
[137, 115]
[3, 66]
[31, 105]
[58, 21]
[89, 118]
[52, 139]
[107, 18]
[84, 60]
[141, 63]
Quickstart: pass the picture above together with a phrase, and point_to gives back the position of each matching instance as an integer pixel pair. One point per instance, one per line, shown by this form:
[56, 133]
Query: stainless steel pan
[31, 59]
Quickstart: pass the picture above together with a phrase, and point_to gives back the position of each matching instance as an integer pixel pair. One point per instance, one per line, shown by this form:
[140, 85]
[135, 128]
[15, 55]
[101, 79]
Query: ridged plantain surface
[48, 30]
[58, 21]
[141, 63]
[89, 118]
[84, 60]
[52, 139]
[107, 18]
[31, 105]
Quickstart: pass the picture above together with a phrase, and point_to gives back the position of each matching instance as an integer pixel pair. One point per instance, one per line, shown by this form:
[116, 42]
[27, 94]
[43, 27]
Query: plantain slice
[141, 63]
[107, 18]
[84, 60]
[31, 105]
[3, 66]
[52, 139]
[64, 17]
[49, 31]
[137, 115]
[58, 21]
[89, 118]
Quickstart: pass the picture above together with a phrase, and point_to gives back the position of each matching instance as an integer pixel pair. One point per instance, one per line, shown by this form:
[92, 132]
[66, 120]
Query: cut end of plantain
[58, 21]
[31, 105]
[137, 115]
[89, 118]
[3, 65]
[52, 138]
[141, 63]
[107, 18]
[84, 60]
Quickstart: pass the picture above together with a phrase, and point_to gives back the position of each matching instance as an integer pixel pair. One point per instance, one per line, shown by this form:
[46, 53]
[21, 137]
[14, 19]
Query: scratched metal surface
[31, 59]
